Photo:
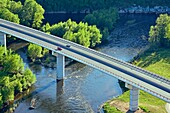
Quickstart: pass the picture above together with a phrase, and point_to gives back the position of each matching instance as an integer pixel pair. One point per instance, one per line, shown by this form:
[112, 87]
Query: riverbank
[156, 61]
[132, 9]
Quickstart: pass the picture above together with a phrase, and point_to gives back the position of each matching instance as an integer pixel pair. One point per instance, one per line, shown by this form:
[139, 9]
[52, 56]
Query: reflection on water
[84, 89]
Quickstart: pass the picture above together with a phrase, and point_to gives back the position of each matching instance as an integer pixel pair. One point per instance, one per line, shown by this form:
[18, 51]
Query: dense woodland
[13, 77]
[78, 5]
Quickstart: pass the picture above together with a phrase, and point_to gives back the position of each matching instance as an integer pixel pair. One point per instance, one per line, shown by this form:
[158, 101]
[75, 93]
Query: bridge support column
[3, 39]
[60, 67]
[134, 97]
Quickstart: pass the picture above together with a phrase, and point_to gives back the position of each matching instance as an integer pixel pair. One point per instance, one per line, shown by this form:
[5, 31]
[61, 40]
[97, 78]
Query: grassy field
[156, 61]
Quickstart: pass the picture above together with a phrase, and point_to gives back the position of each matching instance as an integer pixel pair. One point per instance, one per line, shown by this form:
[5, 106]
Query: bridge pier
[134, 97]
[3, 39]
[60, 67]
[59, 89]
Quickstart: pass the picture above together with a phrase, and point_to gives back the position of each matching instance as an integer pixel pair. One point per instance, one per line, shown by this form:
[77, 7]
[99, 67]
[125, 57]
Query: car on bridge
[67, 45]
[59, 48]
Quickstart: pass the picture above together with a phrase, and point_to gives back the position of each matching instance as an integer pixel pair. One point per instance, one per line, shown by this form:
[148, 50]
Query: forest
[79, 5]
[13, 77]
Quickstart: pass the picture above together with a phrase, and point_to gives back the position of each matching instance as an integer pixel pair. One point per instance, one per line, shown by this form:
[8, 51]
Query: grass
[108, 109]
[156, 61]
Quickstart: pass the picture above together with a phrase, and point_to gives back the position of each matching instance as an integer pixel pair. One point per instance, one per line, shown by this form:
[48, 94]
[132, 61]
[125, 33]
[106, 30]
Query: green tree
[32, 14]
[29, 76]
[58, 29]
[79, 5]
[3, 3]
[91, 19]
[104, 18]
[13, 77]
[2, 53]
[159, 33]
[13, 64]
[81, 33]
[46, 27]
[167, 35]
[4, 81]
[15, 7]
[24, 83]
[7, 90]
[45, 51]
[18, 86]
[34, 51]
[69, 35]
[1, 101]
[83, 38]
[7, 15]
[95, 36]
[105, 33]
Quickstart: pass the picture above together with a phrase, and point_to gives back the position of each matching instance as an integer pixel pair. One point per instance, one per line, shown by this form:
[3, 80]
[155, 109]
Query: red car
[59, 48]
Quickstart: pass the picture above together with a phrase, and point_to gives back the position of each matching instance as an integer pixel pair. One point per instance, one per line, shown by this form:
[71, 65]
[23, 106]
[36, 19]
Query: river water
[85, 89]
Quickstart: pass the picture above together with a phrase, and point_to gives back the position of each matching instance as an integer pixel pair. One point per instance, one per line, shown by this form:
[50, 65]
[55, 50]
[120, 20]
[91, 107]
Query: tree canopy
[34, 51]
[7, 15]
[160, 33]
[13, 77]
[80, 33]
[104, 19]
[78, 5]
[30, 13]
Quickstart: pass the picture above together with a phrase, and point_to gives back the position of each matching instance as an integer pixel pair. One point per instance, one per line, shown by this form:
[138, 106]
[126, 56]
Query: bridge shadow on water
[34, 95]
[59, 87]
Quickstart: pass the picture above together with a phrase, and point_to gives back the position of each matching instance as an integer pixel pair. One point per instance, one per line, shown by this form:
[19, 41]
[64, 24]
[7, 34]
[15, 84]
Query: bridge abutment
[134, 97]
[3, 39]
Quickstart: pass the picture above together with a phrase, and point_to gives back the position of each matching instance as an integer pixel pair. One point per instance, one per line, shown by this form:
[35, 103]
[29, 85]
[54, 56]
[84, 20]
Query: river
[85, 89]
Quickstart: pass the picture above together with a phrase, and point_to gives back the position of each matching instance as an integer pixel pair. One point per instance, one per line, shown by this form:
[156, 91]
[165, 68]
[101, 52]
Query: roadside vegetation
[157, 60]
